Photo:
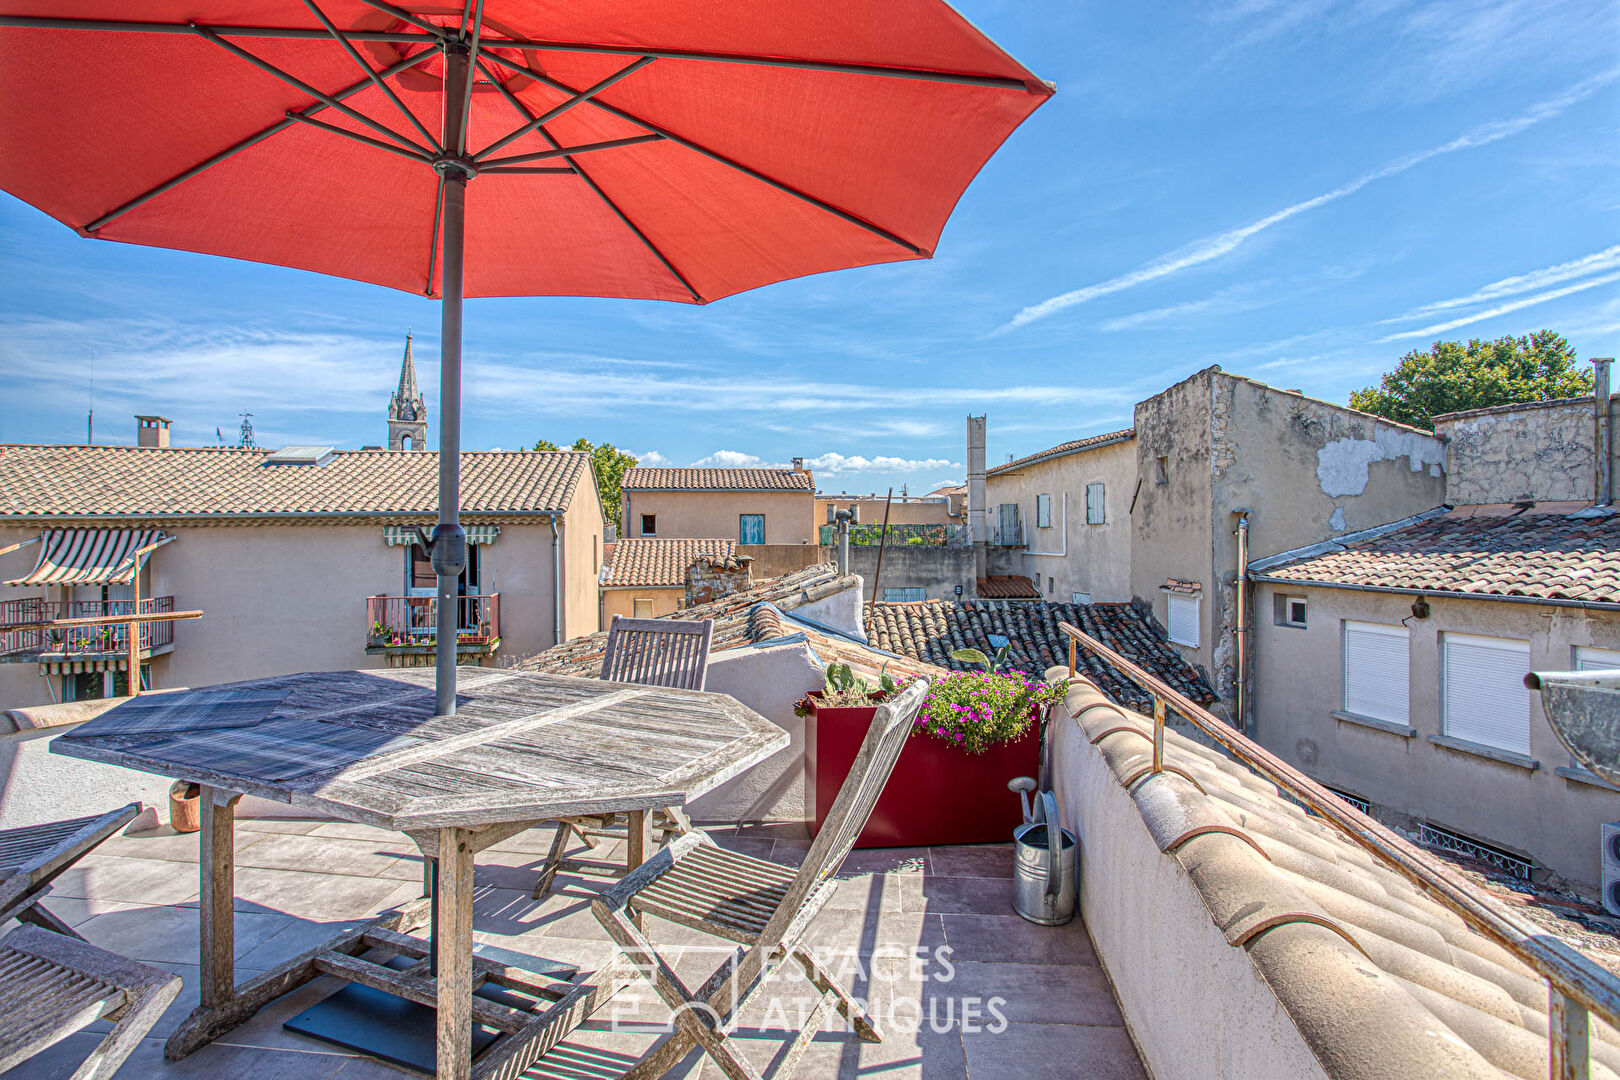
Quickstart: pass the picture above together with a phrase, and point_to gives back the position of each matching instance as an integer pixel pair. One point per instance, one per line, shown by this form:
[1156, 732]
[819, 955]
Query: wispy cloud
[1223, 303]
[1503, 309]
[828, 464]
[1595, 263]
[1221, 244]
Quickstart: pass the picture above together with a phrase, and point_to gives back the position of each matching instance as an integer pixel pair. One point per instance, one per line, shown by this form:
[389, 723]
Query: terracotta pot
[937, 794]
[185, 812]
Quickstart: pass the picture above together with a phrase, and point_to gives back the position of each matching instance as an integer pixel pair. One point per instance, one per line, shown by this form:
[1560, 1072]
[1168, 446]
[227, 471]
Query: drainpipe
[1244, 630]
[556, 583]
[1602, 451]
[843, 518]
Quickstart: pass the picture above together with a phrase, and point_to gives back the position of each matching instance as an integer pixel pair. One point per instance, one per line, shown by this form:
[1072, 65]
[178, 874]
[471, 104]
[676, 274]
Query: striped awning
[401, 535]
[90, 556]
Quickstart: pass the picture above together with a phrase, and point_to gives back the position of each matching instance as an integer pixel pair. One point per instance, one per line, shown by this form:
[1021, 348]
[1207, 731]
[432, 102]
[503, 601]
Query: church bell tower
[407, 412]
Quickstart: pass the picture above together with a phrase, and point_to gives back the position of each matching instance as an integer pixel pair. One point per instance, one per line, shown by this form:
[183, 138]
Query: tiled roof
[1064, 450]
[1429, 996]
[768, 622]
[640, 479]
[122, 481]
[1008, 587]
[1473, 551]
[583, 656]
[930, 630]
[659, 563]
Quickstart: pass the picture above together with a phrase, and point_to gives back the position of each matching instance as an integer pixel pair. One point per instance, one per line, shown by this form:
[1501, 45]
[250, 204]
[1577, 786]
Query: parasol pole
[449, 540]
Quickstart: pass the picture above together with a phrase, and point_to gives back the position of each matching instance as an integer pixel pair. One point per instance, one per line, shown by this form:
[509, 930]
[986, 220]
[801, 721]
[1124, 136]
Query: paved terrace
[1037, 1002]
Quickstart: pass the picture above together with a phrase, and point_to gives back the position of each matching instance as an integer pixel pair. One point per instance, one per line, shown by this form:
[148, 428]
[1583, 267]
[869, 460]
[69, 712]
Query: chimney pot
[152, 431]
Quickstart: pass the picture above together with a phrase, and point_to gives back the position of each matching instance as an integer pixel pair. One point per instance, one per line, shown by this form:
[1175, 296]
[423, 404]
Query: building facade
[646, 577]
[302, 560]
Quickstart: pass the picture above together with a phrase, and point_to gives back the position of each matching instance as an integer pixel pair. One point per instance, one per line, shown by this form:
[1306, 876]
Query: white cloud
[1214, 305]
[839, 465]
[1503, 309]
[1221, 244]
[652, 459]
[1597, 262]
[735, 459]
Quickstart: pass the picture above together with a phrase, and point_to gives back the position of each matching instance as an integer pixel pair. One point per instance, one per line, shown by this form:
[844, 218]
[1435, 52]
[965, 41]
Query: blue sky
[1298, 190]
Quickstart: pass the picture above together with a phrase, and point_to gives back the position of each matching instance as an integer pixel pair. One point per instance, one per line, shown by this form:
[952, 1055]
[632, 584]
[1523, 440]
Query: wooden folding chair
[651, 652]
[52, 986]
[764, 907]
[31, 857]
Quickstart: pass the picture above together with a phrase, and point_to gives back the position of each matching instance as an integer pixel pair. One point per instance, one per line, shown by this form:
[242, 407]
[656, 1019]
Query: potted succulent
[976, 730]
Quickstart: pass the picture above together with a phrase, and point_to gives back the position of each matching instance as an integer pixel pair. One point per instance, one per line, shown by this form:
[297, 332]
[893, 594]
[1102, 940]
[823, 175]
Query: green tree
[1452, 376]
[608, 462]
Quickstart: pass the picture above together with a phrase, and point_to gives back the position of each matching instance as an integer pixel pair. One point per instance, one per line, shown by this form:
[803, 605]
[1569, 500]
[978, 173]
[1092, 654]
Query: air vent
[1446, 840]
[301, 455]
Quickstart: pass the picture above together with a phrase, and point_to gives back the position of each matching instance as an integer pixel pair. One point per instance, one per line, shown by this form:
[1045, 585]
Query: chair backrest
[30, 856]
[658, 652]
[868, 775]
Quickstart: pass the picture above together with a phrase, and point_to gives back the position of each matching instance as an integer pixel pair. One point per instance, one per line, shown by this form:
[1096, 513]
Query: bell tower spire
[407, 411]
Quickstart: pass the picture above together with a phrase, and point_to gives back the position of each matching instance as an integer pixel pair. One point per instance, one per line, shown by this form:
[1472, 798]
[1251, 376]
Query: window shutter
[1484, 699]
[1377, 671]
[904, 595]
[1094, 504]
[1183, 619]
[1043, 511]
[1590, 659]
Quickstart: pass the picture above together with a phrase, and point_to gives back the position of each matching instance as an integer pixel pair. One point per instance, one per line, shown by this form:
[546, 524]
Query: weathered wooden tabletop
[364, 745]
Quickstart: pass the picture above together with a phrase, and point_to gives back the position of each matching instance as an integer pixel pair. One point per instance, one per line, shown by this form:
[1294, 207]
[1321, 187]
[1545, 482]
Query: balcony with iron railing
[911, 535]
[408, 625]
[23, 640]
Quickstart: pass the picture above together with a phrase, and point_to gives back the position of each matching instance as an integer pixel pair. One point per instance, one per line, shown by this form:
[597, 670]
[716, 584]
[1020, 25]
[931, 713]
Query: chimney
[710, 577]
[798, 465]
[977, 523]
[152, 431]
[1603, 432]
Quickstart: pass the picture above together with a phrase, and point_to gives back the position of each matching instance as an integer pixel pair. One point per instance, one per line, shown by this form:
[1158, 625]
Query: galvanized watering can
[1046, 860]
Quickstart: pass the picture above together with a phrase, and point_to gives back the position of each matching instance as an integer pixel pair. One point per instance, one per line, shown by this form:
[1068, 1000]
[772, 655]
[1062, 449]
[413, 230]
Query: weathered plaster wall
[702, 514]
[582, 562]
[1074, 556]
[622, 601]
[1298, 685]
[916, 510]
[939, 570]
[1542, 452]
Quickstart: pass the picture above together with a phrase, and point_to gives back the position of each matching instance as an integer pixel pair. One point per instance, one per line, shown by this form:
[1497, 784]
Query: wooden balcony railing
[21, 634]
[404, 622]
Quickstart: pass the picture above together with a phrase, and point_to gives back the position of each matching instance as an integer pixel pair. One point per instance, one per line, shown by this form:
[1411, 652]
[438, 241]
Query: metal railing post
[1569, 1054]
[1158, 733]
[1072, 646]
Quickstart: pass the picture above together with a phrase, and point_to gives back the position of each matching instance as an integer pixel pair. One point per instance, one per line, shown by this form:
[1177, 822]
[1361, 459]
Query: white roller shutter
[1483, 697]
[1590, 659]
[1183, 619]
[1377, 671]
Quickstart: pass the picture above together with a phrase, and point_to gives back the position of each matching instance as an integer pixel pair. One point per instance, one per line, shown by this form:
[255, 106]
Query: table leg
[454, 947]
[216, 864]
[638, 844]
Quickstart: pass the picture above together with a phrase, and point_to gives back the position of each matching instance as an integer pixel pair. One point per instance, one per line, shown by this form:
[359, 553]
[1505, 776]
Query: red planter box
[937, 794]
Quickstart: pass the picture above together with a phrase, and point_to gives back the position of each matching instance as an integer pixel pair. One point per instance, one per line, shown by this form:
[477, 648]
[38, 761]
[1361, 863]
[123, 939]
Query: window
[1007, 524]
[904, 596]
[1590, 659]
[641, 609]
[1043, 511]
[1094, 504]
[1161, 472]
[750, 528]
[1482, 694]
[1183, 618]
[423, 577]
[1080, 598]
[1051, 586]
[832, 513]
[1377, 671]
[1288, 611]
[649, 524]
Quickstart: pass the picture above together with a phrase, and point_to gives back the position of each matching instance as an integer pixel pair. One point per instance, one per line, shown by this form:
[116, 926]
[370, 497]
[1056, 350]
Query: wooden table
[363, 746]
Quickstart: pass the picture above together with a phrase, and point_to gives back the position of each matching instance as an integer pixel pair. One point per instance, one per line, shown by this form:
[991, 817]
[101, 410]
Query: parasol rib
[303, 87]
[557, 110]
[364, 140]
[401, 14]
[433, 238]
[715, 155]
[360, 62]
[579, 170]
[252, 140]
[36, 22]
[472, 56]
[563, 151]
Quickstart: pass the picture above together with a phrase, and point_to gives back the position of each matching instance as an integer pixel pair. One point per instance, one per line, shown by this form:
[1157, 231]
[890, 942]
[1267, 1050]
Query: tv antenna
[244, 440]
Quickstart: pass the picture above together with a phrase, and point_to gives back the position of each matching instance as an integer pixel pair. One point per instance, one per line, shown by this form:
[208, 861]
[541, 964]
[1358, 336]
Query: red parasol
[624, 148]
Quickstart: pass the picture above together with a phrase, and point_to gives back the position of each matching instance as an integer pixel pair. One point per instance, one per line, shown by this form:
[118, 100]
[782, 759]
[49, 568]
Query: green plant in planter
[843, 689]
[975, 656]
[976, 710]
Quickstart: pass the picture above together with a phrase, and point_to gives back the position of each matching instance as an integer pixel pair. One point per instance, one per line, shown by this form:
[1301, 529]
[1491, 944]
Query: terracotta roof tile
[181, 482]
[1064, 450]
[659, 563]
[930, 630]
[1548, 556]
[1007, 587]
[647, 479]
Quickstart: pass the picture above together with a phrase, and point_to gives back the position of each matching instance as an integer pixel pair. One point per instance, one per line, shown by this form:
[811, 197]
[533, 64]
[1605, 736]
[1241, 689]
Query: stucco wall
[938, 570]
[1196, 1007]
[1307, 469]
[1298, 685]
[582, 562]
[1075, 556]
[1537, 452]
[702, 514]
[916, 510]
[622, 602]
[774, 560]
[287, 598]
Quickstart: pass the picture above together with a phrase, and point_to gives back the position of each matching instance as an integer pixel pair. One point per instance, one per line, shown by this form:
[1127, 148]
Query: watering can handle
[1054, 845]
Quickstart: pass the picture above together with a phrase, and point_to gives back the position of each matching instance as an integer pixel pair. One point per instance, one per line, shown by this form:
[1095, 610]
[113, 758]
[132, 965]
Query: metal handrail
[1575, 985]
